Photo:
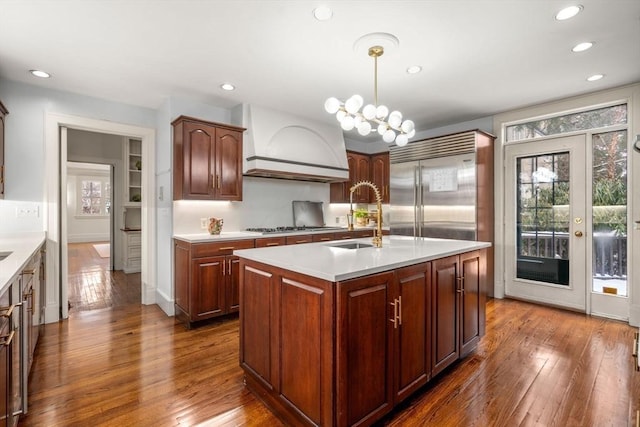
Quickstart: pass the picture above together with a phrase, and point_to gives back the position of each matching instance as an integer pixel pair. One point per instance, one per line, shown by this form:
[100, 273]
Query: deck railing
[609, 251]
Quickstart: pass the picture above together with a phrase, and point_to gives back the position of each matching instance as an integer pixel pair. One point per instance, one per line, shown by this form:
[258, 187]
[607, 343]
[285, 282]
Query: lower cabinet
[206, 279]
[131, 251]
[346, 353]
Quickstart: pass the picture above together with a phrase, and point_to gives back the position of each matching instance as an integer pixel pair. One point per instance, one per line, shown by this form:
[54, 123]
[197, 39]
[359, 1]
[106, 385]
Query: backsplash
[19, 216]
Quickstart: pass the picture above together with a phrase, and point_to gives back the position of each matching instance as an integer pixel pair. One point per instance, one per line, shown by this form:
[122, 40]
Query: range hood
[282, 145]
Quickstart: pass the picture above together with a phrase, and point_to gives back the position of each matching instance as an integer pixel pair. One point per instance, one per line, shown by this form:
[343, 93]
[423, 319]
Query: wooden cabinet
[299, 239]
[458, 300]
[380, 171]
[206, 279]
[6, 351]
[3, 114]
[207, 160]
[266, 242]
[133, 173]
[363, 167]
[365, 345]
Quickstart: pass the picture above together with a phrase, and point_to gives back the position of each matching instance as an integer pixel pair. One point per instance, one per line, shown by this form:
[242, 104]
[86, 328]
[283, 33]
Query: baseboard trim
[165, 303]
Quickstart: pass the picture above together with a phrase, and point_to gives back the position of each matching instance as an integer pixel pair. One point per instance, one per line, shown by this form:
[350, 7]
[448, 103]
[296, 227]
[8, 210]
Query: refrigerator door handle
[416, 202]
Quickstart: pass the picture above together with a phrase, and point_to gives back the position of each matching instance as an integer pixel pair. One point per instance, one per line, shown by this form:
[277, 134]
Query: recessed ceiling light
[414, 69]
[568, 12]
[322, 13]
[227, 86]
[595, 77]
[40, 73]
[580, 47]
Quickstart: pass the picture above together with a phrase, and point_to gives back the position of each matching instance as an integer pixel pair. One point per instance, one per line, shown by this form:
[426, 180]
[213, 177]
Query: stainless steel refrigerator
[434, 197]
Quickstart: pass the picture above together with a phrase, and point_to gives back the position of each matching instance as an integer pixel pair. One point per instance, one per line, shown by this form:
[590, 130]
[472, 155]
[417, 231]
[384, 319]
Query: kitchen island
[338, 333]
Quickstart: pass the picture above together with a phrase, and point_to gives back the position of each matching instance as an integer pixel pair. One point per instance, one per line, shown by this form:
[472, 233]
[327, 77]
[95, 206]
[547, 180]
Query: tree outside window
[95, 197]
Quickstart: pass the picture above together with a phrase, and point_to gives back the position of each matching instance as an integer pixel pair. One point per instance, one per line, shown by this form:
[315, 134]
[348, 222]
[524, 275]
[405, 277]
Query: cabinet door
[361, 194]
[364, 350]
[412, 341]
[208, 287]
[380, 175]
[472, 301]
[2, 174]
[228, 165]
[444, 284]
[182, 262]
[198, 163]
[6, 344]
[233, 284]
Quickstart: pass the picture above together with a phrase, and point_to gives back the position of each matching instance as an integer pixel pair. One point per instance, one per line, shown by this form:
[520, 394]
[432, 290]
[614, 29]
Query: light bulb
[401, 140]
[364, 128]
[389, 136]
[411, 134]
[382, 111]
[395, 119]
[347, 123]
[382, 128]
[340, 115]
[407, 126]
[332, 105]
[369, 111]
[353, 104]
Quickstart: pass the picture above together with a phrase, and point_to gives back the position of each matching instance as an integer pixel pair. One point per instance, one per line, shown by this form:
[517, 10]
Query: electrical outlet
[27, 211]
[203, 223]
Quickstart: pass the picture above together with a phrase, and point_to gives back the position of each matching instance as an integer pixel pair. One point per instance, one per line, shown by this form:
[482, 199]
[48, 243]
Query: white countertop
[239, 235]
[22, 247]
[324, 261]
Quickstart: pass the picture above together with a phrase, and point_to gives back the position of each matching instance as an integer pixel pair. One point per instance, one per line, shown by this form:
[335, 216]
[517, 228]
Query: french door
[546, 221]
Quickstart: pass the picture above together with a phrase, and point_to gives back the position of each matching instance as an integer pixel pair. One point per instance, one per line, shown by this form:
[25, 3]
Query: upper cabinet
[207, 160]
[380, 175]
[363, 167]
[3, 113]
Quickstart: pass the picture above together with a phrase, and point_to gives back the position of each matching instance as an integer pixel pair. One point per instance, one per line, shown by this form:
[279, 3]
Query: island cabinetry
[206, 279]
[458, 300]
[207, 160]
[299, 239]
[266, 242]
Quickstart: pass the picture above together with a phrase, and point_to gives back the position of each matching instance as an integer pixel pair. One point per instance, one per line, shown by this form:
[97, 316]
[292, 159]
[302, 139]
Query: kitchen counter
[329, 262]
[240, 235]
[22, 247]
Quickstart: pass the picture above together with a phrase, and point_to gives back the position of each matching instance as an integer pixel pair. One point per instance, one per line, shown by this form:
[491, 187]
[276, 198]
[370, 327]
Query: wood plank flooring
[91, 285]
[131, 365]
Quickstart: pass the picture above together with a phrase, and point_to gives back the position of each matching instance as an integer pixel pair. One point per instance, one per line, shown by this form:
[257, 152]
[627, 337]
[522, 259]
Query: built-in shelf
[133, 177]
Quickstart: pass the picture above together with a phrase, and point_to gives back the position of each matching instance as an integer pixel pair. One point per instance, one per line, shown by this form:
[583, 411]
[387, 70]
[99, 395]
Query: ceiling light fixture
[40, 73]
[227, 86]
[581, 47]
[322, 13]
[350, 117]
[414, 69]
[595, 77]
[568, 12]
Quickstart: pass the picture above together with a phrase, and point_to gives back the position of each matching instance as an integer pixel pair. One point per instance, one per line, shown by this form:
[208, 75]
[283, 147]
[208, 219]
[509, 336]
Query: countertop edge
[23, 246]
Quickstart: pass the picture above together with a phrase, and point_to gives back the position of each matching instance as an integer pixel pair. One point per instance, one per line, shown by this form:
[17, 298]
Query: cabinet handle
[7, 310]
[30, 271]
[1, 174]
[395, 314]
[230, 270]
[227, 248]
[273, 244]
[213, 182]
[400, 310]
[302, 241]
[224, 268]
[217, 181]
[6, 339]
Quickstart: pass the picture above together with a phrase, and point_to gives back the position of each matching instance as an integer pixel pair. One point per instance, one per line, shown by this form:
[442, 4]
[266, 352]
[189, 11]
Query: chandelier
[372, 117]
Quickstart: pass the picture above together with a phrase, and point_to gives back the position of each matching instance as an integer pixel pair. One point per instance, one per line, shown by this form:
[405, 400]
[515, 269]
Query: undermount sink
[352, 245]
[3, 255]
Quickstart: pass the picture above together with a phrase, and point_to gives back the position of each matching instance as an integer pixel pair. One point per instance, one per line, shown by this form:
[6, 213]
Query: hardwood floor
[134, 366]
[91, 285]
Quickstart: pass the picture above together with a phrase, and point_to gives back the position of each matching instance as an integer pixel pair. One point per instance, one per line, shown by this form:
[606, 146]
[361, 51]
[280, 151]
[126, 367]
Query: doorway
[566, 215]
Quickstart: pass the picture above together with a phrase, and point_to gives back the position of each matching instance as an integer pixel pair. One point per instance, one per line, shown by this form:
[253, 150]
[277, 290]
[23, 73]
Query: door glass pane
[543, 218]
[610, 212]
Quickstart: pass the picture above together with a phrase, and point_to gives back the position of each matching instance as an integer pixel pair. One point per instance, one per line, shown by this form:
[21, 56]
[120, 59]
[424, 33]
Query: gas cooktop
[288, 229]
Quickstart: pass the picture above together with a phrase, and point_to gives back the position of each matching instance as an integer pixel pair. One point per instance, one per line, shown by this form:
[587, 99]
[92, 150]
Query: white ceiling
[479, 57]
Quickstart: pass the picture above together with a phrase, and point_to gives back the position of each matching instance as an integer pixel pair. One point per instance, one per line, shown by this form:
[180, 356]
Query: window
[583, 120]
[94, 196]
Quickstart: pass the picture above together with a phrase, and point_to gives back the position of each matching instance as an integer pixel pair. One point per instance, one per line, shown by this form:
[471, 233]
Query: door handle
[578, 233]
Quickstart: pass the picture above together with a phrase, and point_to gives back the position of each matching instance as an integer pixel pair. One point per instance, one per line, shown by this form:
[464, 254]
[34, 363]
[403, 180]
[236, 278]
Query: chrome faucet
[377, 237]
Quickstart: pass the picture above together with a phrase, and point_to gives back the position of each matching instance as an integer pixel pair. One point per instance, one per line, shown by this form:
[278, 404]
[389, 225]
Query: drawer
[296, 240]
[134, 263]
[134, 252]
[270, 241]
[323, 237]
[341, 235]
[199, 250]
[133, 239]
